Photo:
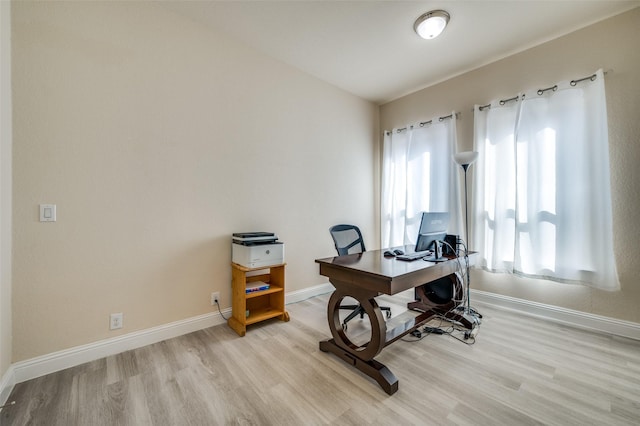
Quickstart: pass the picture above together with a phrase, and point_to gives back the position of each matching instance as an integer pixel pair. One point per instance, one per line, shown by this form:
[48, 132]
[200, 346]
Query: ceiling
[369, 48]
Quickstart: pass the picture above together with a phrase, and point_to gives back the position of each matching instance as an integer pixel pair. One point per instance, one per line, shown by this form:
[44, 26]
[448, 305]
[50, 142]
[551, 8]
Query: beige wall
[157, 139]
[5, 190]
[611, 45]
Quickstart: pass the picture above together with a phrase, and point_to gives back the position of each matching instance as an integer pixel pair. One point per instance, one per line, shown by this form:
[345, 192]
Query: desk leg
[372, 368]
[359, 356]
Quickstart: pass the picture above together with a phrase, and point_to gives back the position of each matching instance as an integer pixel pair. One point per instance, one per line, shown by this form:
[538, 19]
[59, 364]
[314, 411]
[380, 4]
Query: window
[542, 195]
[418, 175]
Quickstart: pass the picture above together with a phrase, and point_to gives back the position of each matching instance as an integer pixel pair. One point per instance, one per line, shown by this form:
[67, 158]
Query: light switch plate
[47, 212]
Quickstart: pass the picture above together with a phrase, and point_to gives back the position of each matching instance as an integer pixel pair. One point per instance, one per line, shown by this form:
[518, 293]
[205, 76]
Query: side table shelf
[260, 305]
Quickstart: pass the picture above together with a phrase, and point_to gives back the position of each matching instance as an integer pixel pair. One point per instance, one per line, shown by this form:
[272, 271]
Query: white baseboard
[56, 361]
[560, 315]
[7, 382]
[306, 293]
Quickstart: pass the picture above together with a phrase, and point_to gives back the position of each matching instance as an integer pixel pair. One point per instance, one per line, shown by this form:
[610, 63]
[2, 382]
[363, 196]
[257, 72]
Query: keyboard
[415, 256]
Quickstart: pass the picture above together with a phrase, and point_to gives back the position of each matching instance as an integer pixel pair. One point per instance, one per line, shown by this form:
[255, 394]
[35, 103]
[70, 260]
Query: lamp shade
[431, 24]
[465, 158]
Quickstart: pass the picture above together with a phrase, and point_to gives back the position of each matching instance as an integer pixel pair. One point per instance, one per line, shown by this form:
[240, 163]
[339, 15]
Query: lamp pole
[467, 309]
[465, 159]
[466, 205]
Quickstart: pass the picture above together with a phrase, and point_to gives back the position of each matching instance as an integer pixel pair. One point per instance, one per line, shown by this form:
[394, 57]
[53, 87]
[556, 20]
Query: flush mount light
[431, 24]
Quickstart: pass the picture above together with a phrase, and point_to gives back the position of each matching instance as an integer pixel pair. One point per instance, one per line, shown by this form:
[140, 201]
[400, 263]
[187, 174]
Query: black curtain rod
[424, 123]
[591, 77]
[541, 91]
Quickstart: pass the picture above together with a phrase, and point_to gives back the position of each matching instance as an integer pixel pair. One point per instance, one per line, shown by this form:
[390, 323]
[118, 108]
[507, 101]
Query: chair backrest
[347, 239]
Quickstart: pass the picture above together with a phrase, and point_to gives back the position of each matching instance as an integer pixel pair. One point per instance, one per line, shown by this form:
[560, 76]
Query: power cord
[426, 330]
[451, 330]
[221, 314]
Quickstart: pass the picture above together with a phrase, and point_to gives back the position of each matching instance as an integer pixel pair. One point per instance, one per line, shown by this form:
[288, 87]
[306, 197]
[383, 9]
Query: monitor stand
[437, 253]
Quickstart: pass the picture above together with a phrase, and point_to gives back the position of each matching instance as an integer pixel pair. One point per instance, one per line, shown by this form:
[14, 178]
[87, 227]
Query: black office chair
[348, 240]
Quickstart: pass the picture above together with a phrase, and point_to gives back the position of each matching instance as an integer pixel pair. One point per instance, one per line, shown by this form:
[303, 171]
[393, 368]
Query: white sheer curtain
[418, 175]
[543, 198]
[494, 175]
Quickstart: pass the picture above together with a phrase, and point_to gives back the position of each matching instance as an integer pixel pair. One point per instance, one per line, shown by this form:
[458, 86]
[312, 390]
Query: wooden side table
[256, 306]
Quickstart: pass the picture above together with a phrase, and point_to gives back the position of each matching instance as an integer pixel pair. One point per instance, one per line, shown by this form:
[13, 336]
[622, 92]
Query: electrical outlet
[115, 321]
[215, 297]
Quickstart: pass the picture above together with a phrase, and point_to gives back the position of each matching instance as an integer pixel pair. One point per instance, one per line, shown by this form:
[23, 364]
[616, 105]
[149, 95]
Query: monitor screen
[433, 227]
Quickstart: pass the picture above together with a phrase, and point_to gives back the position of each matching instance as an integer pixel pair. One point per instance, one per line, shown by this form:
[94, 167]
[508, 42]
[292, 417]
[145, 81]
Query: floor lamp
[465, 159]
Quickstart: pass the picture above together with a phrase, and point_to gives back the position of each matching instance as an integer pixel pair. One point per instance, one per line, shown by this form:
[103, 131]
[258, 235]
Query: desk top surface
[388, 275]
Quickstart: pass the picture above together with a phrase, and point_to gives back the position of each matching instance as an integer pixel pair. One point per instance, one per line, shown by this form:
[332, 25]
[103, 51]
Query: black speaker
[450, 240]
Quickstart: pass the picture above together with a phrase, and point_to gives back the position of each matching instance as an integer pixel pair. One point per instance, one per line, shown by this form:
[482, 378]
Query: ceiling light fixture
[431, 24]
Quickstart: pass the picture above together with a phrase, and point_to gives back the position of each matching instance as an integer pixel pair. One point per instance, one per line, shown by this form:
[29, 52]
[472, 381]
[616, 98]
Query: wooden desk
[363, 276]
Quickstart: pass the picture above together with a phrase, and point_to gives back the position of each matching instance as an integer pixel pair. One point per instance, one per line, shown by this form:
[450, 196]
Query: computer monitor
[433, 230]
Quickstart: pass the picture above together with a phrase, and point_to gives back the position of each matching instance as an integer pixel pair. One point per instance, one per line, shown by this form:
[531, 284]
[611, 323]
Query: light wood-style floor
[520, 371]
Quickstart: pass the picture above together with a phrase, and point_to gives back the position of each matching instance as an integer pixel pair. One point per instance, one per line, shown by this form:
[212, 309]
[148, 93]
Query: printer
[256, 249]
